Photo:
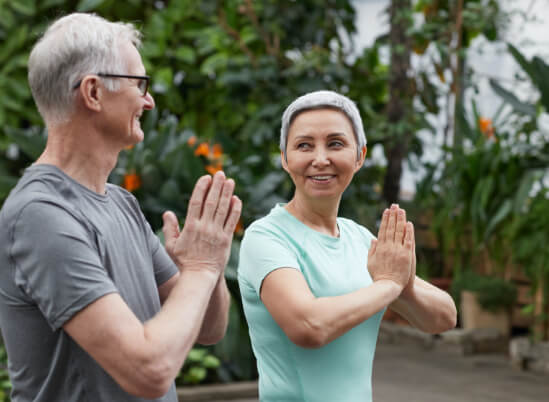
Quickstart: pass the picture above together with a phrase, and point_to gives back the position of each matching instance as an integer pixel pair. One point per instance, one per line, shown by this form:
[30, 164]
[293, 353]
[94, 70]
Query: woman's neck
[320, 216]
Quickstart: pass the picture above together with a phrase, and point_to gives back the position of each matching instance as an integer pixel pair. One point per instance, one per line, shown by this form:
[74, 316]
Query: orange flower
[191, 141]
[131, 182]
[129, 147]
[217, 151]
[212, 169]
[486, 127]
[239, 229]
[203, 149]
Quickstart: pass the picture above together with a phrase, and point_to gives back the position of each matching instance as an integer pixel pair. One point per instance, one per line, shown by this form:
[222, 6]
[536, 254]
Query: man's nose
[149, 101]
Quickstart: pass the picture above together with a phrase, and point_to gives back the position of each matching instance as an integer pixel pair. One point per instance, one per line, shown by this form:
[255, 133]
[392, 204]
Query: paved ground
[411, 374]
[408, 373]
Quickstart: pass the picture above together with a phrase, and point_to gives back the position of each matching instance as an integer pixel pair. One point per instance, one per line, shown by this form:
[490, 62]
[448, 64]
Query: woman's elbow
[446, 321]
[308, 335]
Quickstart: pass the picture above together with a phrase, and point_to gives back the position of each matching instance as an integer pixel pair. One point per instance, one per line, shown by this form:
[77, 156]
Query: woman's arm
[313, 322]
[425, 306]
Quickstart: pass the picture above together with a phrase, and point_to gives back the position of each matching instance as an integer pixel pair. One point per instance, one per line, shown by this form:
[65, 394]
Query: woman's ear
[283, 161]
[361, 158]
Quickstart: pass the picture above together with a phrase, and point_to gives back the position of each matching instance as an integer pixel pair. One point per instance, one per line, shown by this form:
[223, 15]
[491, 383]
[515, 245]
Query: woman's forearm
[427, 307]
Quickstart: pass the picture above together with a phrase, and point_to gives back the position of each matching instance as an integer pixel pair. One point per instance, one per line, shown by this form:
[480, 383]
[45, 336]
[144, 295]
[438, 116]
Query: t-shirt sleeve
[262, 252]
[366, 235]
[57, 262]
[164, 267]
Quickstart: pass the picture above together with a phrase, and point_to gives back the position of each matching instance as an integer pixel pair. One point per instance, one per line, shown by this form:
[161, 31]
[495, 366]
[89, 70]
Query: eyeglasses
[142, 83]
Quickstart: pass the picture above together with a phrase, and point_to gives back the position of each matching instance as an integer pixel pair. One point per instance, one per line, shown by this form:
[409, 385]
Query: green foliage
[5, 384]
[199, 367]
[493, 293]
[529, 232]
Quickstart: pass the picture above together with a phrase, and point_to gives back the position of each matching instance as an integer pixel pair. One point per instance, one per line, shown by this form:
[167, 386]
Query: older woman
[314, 285]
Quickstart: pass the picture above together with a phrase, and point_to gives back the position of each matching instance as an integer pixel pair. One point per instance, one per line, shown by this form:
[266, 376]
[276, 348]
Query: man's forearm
[175, 329]
[216, 318]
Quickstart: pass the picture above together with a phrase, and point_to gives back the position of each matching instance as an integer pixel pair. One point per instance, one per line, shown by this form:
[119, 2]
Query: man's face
[124, 107]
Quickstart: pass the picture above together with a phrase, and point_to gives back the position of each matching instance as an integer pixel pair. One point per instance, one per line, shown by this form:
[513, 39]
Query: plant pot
[473, 316]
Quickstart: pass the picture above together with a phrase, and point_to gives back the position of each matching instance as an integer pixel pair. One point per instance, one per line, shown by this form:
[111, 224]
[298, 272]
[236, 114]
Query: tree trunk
[400, 97]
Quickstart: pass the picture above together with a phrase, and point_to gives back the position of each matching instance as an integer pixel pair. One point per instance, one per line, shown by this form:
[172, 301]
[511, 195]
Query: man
[92, 307]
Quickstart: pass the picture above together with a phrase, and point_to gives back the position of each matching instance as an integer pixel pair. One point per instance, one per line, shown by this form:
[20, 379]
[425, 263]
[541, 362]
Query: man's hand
[205, 241]
[390, 256]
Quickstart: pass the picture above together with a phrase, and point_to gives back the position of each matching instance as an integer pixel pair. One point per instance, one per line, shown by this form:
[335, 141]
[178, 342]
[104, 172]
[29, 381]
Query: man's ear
[91, 91]
[361, 158]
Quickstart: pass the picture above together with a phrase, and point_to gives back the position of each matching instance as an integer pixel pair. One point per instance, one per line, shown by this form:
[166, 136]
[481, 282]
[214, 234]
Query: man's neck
[81, 154]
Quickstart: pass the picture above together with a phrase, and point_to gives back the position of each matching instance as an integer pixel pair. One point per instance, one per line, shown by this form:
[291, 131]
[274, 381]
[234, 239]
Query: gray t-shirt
[64, 246]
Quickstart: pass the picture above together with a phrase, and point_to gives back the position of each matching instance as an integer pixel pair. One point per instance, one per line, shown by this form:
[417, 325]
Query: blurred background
[454, 95]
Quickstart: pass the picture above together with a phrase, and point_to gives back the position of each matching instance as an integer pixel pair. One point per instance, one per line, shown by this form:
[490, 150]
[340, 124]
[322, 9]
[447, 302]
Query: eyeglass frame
[145, 78]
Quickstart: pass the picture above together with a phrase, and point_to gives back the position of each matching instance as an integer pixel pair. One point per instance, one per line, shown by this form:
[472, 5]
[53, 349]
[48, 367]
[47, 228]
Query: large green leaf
[511, 99]
[502, 213]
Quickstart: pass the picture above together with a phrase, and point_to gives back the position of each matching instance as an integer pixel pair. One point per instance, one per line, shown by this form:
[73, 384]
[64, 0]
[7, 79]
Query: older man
[92, 306]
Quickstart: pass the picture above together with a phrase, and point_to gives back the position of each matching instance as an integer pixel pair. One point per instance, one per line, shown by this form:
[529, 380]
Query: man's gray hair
[72, 47]
[319, 100]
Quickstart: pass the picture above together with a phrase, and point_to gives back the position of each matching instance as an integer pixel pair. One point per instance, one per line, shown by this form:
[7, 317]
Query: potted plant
[484, 301]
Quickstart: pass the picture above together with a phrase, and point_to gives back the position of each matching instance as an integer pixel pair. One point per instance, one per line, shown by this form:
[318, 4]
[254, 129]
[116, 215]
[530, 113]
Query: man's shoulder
[40, 191]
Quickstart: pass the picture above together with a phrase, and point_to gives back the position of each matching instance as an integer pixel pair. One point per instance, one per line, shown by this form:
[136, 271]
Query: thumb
[170, 227]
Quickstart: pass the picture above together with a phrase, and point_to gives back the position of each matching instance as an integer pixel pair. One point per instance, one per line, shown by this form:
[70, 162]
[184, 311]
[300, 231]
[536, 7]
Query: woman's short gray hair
[73, 46]
[319, 100]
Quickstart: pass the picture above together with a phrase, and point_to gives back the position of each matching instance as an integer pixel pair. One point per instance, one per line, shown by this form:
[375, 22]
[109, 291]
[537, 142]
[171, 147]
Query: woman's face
[321, 153]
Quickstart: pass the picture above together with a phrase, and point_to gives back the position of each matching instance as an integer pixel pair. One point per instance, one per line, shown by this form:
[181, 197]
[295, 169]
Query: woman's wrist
[393, 288]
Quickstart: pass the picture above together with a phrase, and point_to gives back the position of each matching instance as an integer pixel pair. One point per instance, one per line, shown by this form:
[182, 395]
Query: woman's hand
[410, 286]
[391, 255]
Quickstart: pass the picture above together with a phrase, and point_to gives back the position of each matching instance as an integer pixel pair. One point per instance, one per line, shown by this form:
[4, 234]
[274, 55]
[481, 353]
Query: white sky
[487, 59]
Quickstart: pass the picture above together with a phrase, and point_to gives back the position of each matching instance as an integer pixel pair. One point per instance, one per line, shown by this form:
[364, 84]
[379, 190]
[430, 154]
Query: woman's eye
[336, 144]
[303, 145]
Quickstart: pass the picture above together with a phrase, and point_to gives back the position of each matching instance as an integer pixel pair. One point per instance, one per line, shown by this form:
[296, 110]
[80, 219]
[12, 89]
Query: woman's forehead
[325, 119]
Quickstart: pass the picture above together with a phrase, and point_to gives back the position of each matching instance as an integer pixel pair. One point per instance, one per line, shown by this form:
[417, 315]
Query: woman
[315, 286]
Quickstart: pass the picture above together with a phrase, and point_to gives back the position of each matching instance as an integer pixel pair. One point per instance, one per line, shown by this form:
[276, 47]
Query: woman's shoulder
[354, 228]
[277, 224]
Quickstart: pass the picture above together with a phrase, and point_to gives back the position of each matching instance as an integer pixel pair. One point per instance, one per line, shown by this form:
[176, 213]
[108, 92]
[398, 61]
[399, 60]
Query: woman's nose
[321, 158]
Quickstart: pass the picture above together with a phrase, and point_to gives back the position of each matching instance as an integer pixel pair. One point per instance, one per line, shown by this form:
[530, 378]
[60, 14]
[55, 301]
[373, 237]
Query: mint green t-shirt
[340, 370]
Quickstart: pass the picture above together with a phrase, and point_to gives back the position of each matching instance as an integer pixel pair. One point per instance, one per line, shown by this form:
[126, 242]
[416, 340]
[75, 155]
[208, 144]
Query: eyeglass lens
[142, 85]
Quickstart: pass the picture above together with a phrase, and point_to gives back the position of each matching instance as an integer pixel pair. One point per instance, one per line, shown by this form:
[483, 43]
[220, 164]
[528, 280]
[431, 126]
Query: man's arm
[144, 358]
[216, 320]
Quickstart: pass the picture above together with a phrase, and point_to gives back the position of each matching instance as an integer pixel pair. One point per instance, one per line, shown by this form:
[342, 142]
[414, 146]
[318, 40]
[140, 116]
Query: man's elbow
[212, 337]
[151, 380]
